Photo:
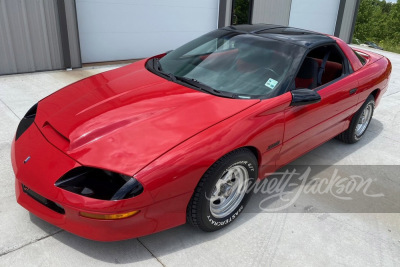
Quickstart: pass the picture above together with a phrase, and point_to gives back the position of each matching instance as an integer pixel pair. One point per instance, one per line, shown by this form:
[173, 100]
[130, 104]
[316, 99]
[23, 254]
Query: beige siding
[272, 11]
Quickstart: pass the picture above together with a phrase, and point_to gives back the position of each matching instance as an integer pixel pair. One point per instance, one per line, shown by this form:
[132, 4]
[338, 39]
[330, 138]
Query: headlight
[26, 121]
[99, 184]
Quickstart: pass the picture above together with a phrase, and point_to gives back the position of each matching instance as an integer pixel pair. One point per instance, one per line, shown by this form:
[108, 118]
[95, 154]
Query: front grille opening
[44, 201]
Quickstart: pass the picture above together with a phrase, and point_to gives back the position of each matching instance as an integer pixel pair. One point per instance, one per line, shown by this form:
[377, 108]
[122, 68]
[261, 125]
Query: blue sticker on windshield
[271, 83]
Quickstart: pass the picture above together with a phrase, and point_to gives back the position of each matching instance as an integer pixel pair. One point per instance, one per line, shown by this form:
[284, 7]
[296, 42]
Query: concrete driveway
[256, 238]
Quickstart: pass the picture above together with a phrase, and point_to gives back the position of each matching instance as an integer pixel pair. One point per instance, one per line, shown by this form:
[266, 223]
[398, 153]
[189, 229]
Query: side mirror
[301, 97]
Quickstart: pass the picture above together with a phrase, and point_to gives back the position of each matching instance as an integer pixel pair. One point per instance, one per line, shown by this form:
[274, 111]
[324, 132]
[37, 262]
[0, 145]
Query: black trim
[339, 19]
[302, 97]
[274, 145]
[26, 121]
[251, 8]
[42, 200]
[62, 18]
[353, 26]
[222, 13]
[352, 91]
[130, 189]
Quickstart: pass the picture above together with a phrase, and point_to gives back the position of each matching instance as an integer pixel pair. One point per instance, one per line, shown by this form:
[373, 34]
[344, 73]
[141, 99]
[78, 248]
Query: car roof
[296, 36]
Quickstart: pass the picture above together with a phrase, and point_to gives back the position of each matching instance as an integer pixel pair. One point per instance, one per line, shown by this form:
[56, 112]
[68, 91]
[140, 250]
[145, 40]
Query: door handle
[352, 91]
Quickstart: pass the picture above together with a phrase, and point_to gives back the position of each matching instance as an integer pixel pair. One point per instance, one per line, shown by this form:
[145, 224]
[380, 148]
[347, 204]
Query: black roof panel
[283, 33]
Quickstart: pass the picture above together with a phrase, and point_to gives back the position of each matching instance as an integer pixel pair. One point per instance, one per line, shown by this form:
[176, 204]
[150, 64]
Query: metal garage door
[316, 15]
[127, 29]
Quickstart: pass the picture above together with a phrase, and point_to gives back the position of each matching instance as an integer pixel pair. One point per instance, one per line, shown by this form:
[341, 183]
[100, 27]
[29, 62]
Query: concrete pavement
[261, 239]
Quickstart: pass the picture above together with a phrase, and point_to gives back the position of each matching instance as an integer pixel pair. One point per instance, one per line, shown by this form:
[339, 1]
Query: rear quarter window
[361, 58]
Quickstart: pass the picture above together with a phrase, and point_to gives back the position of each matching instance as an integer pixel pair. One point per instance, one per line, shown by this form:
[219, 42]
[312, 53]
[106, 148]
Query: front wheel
[222, 193]
[359, 123]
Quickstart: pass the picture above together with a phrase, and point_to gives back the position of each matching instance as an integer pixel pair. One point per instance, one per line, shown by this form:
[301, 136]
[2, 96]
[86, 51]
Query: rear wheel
[221, 194]
[359, 123]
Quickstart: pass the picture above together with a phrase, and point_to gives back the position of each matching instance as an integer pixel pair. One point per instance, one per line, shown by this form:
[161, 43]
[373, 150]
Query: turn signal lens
[109, 216]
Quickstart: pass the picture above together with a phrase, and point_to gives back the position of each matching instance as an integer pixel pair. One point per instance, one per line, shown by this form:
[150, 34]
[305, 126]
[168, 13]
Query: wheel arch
[375, 93]
[255, 152]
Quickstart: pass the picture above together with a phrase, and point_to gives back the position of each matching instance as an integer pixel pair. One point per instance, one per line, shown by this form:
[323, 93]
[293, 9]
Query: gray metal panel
[272, 11]
[73, 34]
[228, 12]
[29, 36]
[348, 19]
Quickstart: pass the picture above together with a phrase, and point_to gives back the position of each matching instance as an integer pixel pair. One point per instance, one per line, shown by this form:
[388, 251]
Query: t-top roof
[293, 35]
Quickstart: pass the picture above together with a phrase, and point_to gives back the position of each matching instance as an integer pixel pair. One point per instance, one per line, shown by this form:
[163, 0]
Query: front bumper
[46, 164]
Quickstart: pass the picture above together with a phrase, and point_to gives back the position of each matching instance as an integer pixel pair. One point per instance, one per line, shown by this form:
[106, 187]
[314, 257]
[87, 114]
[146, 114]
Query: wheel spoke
[229, 191]
[217, 199]
[217, 190]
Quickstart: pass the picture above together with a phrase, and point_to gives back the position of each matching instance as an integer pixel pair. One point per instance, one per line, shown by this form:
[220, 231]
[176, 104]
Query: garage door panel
[117, 30]
[116, 48]
[315, 15]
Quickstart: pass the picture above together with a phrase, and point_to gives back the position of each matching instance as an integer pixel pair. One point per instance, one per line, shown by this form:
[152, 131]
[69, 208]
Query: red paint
[133, 122]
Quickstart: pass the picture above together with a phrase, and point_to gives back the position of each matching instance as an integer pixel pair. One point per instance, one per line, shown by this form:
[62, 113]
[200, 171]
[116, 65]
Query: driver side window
[321, 66]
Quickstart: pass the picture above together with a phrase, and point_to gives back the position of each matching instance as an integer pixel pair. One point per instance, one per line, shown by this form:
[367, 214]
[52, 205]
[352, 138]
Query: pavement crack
[12, 111]
[154, 256]
[29, 243]
[384, 96]
[384, 136]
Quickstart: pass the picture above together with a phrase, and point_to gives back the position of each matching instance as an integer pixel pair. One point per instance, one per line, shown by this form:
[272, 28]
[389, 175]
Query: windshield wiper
[157, 67]
[192, 82]
[156, 64]
[204, 87]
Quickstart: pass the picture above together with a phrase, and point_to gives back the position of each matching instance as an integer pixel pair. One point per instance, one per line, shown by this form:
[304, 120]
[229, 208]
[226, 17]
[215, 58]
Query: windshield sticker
[271, 83]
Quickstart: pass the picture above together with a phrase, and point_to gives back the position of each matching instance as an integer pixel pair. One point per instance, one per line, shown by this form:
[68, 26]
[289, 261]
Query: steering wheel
[273, 71]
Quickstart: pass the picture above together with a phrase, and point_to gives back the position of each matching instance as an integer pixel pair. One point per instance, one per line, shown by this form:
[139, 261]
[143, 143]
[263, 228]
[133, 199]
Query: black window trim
[362, 60]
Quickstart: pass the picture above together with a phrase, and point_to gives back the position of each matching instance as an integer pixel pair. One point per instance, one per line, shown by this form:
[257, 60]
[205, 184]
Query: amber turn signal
[109, 216]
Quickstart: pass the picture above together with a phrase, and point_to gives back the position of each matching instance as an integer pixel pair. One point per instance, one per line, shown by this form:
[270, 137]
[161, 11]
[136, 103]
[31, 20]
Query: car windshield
[243, 65]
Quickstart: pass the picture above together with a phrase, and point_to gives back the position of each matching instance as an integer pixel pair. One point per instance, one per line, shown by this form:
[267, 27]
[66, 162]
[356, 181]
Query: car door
[310, 125]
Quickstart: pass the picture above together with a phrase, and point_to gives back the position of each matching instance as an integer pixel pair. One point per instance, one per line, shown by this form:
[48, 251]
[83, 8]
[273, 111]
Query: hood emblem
[27, 159]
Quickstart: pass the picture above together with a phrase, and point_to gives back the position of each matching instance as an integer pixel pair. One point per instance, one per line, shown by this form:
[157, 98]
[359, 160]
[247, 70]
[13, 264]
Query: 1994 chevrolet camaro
[180, 136]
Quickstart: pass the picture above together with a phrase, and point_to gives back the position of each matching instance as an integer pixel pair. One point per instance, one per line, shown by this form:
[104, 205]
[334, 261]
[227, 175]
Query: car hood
[123, 119]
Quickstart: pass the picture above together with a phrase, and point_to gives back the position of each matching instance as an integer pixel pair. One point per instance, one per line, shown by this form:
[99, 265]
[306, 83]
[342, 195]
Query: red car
[179, 137]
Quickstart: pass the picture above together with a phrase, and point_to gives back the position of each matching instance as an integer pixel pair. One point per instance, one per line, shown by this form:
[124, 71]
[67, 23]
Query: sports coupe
[180, 137]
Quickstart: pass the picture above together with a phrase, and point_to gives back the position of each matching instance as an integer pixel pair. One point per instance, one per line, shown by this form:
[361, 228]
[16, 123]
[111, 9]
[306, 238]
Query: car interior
[321, 66]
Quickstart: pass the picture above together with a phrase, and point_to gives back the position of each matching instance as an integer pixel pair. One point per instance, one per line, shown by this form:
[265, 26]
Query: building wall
[228, 12]
[272, 11]
[30, 36]
[38, 35]
[348, 20]
[315, 15]
[73, 35]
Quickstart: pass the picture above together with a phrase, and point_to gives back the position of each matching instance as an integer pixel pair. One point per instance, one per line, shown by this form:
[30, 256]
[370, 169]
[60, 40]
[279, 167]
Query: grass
[391, 48]
[387, 45]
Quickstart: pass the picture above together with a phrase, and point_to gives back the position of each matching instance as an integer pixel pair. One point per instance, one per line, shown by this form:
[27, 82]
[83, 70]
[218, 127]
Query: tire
[358, 128]
[221, 193]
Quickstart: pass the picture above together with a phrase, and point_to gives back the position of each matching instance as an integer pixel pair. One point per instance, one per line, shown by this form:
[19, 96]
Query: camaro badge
[27, 159]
